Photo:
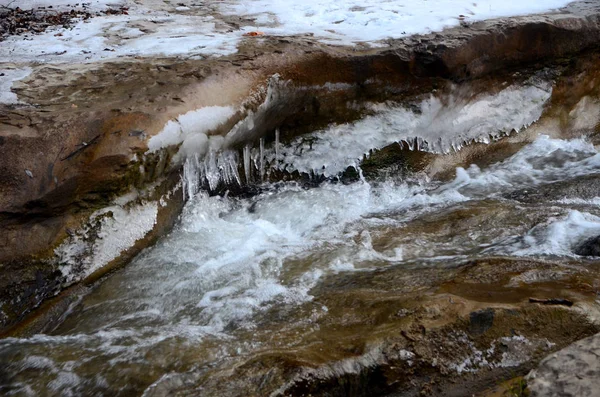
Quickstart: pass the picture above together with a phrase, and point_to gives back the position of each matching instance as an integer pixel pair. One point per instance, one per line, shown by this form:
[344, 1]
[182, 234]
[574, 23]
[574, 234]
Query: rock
[481, 321]
[590, 247]
[584, 187]
[571, 372]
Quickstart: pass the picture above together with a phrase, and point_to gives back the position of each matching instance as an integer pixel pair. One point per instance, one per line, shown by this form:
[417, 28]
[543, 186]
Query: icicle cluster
[214, 169]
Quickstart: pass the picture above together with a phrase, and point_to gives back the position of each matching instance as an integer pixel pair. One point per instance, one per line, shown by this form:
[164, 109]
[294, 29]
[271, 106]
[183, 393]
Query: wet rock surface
[584, 188]
[590, 247]
[398, 332]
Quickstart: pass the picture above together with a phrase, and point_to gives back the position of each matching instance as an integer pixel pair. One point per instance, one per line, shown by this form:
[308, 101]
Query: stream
[241, 276]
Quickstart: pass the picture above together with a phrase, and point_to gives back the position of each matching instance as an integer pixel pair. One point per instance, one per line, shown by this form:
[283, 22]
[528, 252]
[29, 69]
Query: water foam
[555, 237]
[545, 160]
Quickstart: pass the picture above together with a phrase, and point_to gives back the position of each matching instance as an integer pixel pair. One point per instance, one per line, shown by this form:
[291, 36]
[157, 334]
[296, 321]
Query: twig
[553, 301]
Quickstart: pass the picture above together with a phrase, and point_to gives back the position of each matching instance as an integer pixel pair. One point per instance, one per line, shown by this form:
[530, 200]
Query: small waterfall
[436, 128]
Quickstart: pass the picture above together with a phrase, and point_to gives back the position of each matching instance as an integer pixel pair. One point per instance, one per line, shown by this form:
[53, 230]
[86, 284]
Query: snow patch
[352, 21]
[190, 130]
[143, 32]
[7, 77]
[92, 5]
[516, 349]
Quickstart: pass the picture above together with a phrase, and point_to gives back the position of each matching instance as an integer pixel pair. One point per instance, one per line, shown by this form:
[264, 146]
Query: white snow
[349, 21]
[7, 77]
[114, 36]
[155, 28]
[190, 129]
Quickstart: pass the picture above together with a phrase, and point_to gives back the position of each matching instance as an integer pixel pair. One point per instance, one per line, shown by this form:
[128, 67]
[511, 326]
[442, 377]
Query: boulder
[571, 372]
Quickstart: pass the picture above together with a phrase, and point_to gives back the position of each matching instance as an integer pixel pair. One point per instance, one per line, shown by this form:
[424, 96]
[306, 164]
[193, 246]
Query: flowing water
[206, 295]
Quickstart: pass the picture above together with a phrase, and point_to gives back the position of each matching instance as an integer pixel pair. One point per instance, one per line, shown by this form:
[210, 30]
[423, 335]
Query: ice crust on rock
[116, 229]
[439, 126]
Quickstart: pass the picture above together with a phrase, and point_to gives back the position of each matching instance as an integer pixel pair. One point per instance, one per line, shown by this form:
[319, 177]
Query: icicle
[211, 170]
[261, 159]
[228, 165]
[254, 153]
[232, 161]
[247, 163]
[440, 146]
[183, 181]
[190, 177]
[277, 146]
[420, 143]
[223, 167]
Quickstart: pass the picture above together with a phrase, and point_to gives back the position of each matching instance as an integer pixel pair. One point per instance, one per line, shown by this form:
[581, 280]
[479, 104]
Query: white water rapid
[229, 262]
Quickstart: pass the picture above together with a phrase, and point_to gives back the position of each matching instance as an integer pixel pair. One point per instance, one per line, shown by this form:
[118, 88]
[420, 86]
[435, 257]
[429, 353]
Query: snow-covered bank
[92, 5]
[192, 31]
[351, 21]
[144, 32]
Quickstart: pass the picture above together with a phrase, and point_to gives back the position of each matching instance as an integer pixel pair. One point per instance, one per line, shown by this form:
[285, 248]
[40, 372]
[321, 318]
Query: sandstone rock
[571, 372]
